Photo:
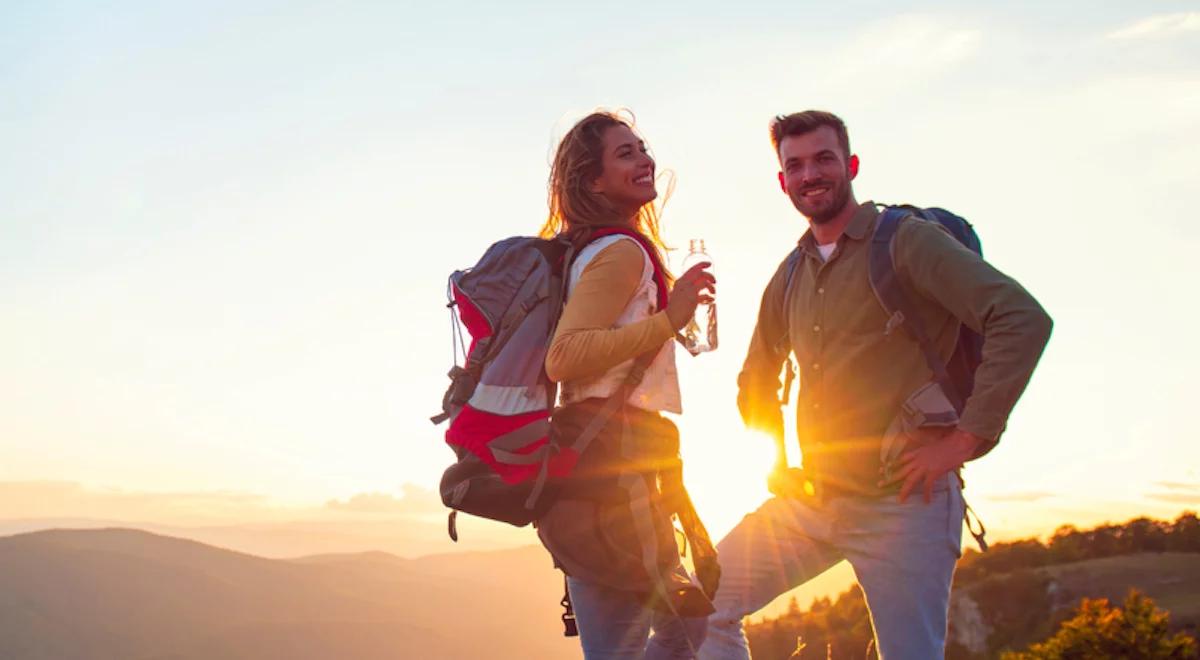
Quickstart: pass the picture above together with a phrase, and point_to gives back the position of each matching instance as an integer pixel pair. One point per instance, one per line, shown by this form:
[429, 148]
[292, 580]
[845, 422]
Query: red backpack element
[499, 401]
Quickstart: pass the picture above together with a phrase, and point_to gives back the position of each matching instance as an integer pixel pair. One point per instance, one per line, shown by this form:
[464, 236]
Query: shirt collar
[858, 229]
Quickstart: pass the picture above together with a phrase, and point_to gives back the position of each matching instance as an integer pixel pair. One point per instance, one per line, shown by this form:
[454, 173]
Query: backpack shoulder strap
[558, 287]
[783, 344]
[660, 272]
[793, 271]
[881, 267]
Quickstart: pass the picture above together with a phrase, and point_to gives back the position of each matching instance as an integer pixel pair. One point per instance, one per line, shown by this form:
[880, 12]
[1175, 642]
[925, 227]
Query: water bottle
[700, 334]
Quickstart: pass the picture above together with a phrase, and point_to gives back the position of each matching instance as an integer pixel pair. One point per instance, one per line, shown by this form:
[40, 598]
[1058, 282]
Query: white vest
[659, 389]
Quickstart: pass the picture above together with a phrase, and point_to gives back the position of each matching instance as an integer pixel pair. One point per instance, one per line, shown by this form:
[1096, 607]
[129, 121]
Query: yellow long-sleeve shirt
[587, 343]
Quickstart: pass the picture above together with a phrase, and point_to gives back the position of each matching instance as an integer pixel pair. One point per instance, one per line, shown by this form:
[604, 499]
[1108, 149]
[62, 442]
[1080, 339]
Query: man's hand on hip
[789, 482]
[927, 463]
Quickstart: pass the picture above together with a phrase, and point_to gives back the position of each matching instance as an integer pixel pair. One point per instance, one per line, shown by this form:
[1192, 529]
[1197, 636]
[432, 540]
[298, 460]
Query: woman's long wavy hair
[576, 211]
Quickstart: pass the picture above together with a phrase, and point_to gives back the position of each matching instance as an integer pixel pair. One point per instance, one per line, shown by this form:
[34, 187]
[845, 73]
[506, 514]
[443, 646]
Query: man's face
[816, 173]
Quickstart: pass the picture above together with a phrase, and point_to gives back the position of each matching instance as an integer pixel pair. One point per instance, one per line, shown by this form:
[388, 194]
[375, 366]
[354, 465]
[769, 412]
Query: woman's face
[627, 175]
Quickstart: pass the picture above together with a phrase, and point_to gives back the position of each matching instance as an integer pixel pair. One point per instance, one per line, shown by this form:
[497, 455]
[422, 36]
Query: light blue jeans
[614, 625]
[902, 554]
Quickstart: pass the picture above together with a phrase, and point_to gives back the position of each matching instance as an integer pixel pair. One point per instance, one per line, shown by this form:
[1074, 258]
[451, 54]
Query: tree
[1099, 630]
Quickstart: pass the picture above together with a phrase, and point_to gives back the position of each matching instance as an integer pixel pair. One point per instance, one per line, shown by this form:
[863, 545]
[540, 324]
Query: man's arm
[1015, 331]
[758, 383]
[1014, 326]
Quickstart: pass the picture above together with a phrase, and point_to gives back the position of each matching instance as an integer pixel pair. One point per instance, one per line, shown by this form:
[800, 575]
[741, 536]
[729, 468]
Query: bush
[1099, 630]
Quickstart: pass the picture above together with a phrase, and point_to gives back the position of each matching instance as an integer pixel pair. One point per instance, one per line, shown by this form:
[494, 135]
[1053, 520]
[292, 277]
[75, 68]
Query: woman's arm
[586, 343]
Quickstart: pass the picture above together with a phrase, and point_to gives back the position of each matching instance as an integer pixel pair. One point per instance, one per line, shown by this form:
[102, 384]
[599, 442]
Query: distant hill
[129, 594]
[405, 537]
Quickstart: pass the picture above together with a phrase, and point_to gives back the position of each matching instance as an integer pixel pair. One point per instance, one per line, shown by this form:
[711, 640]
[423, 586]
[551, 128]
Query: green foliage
[1099, 630]
[839, 629]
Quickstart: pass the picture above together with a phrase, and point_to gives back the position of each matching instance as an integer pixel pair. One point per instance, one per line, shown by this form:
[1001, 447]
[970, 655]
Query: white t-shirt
[826, 250]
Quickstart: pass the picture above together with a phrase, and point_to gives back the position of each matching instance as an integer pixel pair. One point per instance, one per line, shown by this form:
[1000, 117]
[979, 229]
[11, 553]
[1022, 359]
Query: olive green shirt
[853, 374]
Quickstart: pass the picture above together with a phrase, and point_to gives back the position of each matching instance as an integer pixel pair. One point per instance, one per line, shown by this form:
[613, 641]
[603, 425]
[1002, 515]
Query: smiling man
[881, 438]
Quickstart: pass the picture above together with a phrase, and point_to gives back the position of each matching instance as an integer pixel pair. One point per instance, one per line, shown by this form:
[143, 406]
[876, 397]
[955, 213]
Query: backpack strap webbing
[881, 267]
[570, 628]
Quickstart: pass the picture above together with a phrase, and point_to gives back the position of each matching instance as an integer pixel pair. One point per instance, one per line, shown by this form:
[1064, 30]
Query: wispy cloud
[1178, 492]
[1159, 26]
[415, 500]
[28, 500]
[1020, 496]
[1179, 485]
[906, 46]
[1176, 498]
[52, 499]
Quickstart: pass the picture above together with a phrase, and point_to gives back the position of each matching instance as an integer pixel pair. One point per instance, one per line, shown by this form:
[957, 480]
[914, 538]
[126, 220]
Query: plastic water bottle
[700, 334]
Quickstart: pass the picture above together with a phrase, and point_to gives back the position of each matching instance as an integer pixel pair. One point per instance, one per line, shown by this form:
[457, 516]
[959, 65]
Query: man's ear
[853, 167]
[782, 183]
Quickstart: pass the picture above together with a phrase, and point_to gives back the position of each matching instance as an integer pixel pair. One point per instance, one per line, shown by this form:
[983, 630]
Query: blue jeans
[902, 554]
[614, 625]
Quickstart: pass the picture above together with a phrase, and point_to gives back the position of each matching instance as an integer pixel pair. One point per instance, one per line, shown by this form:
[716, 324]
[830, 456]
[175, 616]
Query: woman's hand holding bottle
[695, 287]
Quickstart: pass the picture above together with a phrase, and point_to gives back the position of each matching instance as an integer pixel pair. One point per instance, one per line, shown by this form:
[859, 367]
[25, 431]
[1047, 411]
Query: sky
[225, 228]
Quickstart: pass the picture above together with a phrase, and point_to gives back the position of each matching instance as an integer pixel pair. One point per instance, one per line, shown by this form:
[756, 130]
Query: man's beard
[841, 197]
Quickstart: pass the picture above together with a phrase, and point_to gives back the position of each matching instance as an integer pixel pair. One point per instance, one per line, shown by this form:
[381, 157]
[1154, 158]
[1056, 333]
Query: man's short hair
[799, 123]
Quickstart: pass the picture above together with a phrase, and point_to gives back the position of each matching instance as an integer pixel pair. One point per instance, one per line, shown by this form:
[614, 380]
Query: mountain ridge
[128, 593]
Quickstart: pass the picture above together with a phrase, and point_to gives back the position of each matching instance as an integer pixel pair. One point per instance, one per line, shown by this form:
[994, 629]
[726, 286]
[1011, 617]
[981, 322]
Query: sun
[725, 471]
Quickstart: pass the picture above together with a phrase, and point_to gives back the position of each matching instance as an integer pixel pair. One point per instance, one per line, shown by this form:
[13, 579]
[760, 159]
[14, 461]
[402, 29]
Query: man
[879, 487]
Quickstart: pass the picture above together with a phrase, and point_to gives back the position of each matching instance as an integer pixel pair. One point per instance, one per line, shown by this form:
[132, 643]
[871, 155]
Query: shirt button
[816, 328]
[816, 366]
[816, 406]
[821, 290]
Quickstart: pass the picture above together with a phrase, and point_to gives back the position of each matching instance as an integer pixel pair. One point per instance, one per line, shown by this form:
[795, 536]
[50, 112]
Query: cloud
[1178, 492]
[1159, 26]
[1177, 485]
[44, 500]
[51, 499]
[1020, 496]
[905, 47]
[1176, 498]
[415, 500]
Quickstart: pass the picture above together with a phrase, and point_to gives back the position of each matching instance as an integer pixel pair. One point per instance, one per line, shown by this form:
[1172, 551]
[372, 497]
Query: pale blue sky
[225, 229]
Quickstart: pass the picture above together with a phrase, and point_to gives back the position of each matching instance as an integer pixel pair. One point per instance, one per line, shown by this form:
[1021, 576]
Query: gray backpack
[500, 400]
[513, 461]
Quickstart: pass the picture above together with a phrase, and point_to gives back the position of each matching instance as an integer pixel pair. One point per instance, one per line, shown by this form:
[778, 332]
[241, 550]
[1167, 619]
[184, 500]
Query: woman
[619, 319]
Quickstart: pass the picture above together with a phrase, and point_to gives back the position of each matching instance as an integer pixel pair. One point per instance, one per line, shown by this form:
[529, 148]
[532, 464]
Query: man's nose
[809, 174]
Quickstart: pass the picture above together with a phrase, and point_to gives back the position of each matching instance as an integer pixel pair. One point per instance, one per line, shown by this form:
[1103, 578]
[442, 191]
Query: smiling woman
[603, 175]
[613, 352]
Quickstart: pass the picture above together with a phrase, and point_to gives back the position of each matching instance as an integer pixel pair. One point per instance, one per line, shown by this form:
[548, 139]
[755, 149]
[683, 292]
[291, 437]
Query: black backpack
[956, 376]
